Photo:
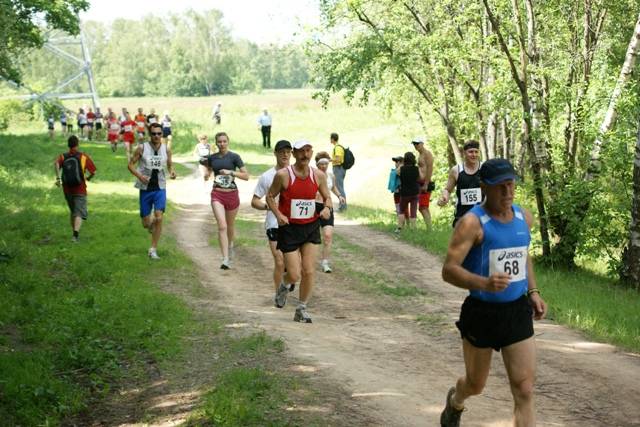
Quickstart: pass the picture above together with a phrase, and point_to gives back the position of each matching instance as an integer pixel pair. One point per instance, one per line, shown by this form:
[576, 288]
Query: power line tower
[61, 45]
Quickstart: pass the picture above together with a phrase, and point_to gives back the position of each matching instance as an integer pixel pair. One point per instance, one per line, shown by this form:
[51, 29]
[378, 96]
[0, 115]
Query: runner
[153, 160]
[202, 151]
[488, 255]
[282, 153]
[127, 130]
[71, 169]
[166, 129]
[322, 162]
[51, 126]
[113, 130]
[466, 180]
[123, 115]
[152, 117]
[225, 200]
[298, 225]
[99, 119]
[91, 118]
[141, 124]
[63, 122]
[82, 123]
[425, 163]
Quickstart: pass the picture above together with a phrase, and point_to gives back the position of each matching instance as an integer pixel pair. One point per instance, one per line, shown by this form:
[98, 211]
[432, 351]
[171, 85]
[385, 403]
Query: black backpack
[72, 174]
[349, 159]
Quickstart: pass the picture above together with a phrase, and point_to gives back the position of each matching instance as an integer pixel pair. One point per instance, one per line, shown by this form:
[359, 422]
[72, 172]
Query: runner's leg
[327, 241]
[230, 217]
[308, 252]
[520, 363]
[278, 264]
[157, 228]
[477, 362]
[223, 239]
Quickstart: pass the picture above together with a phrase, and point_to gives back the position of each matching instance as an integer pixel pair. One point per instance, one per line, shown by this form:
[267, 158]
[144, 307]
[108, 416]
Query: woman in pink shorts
[225, 201]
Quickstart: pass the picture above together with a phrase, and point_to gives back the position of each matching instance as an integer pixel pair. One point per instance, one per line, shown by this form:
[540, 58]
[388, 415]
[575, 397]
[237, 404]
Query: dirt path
[398, 356]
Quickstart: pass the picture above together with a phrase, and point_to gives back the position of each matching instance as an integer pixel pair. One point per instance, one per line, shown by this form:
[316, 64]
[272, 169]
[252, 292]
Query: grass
[581, 299]
[79, 321]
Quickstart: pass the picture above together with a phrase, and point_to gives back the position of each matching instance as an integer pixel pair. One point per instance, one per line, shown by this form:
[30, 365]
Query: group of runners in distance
[488, 253]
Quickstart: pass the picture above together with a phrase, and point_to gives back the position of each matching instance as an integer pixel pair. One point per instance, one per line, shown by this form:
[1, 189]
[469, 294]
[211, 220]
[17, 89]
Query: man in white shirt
[265, 127]
[283, 154]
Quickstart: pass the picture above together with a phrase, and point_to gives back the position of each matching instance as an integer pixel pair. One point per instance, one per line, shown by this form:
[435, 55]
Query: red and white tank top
[298, 201]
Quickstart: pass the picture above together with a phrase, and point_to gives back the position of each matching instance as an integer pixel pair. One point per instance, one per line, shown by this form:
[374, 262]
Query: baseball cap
[495, 171]
[397, 158]
[301, 144]
[415, 141]
[282, 144]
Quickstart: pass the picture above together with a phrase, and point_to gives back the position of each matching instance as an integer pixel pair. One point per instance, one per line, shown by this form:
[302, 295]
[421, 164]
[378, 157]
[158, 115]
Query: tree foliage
[529, 79]
[22, 22]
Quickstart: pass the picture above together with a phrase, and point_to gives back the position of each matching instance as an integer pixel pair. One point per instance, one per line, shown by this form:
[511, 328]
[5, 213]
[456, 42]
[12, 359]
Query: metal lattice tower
[55, 43]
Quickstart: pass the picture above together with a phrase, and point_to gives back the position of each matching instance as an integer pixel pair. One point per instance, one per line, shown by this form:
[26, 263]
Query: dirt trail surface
[399, 356]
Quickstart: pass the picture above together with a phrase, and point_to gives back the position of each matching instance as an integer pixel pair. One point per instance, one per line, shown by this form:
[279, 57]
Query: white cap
[417, 140]
[301, 144]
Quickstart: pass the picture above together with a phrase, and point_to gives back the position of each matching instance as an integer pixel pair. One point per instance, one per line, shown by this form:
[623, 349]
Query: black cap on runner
[282, 144]
[495, 171]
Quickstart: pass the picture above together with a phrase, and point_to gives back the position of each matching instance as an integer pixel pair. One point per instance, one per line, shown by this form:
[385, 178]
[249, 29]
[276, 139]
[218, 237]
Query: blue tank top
[504, 248]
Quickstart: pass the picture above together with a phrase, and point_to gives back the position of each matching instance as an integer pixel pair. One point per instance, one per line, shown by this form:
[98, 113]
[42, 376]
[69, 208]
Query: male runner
[153, 161]
[298, 225]
[489, 255]
[99, 124]
[75, 165]
[141, 124]
[466, 180]
[425, 164]
[127, 129]
[91, 119]
[282, 153]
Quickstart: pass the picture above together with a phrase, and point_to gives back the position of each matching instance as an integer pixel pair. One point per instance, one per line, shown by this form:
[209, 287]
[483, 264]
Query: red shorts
[229, 199]
[424, 199]
[113, 137]
[129, 137]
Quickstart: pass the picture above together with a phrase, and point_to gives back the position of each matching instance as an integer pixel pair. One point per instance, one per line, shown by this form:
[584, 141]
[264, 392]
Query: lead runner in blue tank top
[489, 255]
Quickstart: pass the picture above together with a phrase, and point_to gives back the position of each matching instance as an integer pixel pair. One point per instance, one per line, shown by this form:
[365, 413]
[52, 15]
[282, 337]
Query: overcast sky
[261, 21]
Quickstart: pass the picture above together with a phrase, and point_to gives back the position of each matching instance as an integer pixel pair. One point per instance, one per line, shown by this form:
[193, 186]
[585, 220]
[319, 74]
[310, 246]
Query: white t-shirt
[262, 188]
[264, 120]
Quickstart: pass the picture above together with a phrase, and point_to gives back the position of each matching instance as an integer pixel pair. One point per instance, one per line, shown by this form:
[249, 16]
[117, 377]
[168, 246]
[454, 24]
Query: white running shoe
[301, 315]
[153, 254]
[325, 266]
[280, 299]
[226, 265]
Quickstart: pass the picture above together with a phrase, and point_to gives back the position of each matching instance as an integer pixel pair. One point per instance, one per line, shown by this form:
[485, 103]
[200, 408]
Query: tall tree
[23, 22]
[630, 271]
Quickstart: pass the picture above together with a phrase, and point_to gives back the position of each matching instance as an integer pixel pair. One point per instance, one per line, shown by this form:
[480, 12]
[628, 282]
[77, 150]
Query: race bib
[155, 162]
[114, 126]
[223, 181]
[512, 261]
[470, 196]
[152, 120]
[128, 128]
[166, 124]
[90, 120]
[303, 208]
[203, 151]
[140, 124]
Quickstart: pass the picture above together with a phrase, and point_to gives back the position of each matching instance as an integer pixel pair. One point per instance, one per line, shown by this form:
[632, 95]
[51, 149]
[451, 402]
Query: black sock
[75, 233]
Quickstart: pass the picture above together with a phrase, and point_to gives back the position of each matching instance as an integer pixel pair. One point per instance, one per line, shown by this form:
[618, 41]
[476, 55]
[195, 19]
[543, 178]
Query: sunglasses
[156, 133]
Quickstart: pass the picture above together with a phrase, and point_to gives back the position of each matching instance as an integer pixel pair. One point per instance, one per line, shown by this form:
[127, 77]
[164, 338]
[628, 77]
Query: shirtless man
[425, 164]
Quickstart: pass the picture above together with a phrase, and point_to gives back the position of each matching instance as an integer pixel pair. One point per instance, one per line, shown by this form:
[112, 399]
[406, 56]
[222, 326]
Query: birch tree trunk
[612, 112]
[630, 272]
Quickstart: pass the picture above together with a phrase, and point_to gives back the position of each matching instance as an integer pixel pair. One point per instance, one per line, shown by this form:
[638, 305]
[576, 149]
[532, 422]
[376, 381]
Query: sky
[261, 21]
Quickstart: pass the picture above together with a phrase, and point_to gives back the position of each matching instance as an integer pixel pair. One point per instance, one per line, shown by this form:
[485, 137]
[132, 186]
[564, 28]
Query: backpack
[72, 173]
[349, 159]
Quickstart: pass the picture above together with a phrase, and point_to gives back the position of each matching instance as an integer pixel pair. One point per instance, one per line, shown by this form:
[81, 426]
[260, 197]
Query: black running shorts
[495, 325]
[292, 236]
[272, 234]
[324, 222]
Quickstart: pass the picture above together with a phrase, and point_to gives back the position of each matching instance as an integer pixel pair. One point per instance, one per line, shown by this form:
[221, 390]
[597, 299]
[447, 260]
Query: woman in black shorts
[225, 201]
[323, 159]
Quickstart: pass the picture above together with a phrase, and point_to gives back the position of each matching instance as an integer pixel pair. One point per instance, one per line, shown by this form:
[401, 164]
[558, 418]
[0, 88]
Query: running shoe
[75, 239]
[153, 254]
[397, 230]
[301, 315]
[225, 264]
[450, 417]
[325, 266]
[280, 299]
[292, 287]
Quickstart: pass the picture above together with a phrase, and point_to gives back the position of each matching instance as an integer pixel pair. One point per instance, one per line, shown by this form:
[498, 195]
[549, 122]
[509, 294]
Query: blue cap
[495, 171]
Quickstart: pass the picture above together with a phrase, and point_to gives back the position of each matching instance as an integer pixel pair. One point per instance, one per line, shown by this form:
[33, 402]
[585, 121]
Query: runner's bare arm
[335, 191]
[280, 182]
[242, 174]
[172, 172]
[132, 165]
[468, 232]
[451, 184]
[325, 213]
[257, 203]
[536, 301]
